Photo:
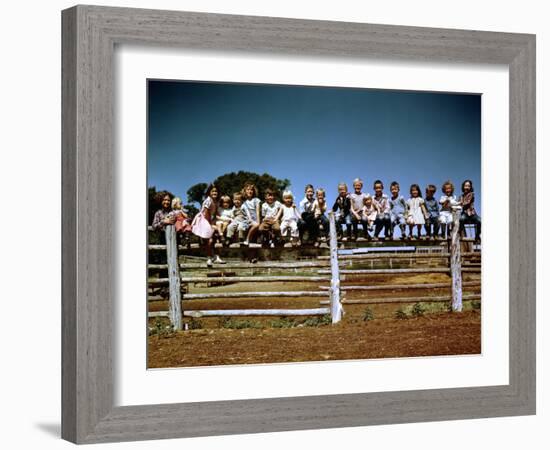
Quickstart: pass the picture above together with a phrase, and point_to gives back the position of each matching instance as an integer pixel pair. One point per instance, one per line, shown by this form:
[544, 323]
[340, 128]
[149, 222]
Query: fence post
[335, 305]
[456, 267]
[173, 277]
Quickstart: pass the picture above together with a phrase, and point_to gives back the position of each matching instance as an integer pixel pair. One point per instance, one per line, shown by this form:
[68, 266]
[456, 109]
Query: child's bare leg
[419, 230]
[252, 232]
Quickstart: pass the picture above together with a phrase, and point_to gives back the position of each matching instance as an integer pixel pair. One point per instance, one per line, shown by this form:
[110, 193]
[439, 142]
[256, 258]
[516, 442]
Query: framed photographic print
[290, 215]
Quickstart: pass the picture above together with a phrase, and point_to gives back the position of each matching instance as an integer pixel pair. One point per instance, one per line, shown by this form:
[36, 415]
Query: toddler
[369, 214]
[290, 217]
[240, 218]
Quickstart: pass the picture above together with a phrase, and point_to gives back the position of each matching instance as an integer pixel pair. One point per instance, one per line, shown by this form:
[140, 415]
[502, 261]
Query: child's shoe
[218, 260]
[209, 262]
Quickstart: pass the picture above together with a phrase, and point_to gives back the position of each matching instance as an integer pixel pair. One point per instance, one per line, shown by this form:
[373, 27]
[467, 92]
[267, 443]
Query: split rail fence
[334, 272]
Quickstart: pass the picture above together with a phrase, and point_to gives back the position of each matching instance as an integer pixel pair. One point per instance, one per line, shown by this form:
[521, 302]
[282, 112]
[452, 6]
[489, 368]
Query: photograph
[292, 224]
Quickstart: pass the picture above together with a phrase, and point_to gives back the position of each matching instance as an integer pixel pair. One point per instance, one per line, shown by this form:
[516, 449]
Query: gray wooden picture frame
[90, 34]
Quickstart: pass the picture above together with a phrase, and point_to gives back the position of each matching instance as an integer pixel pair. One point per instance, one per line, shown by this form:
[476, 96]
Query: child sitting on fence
[240, 219]
[357, 201]
[289, 218]
[469, 214]
[447, 201]
[203, 223]
[308, 224]
[383, 219]
[270, 228]
[342, 207]
[164, 215]
[182, 224]
[252, 204]
[224, 215]
[398, 210]
[368, 214]
[416, 211]
[432, 222]
[319, 209]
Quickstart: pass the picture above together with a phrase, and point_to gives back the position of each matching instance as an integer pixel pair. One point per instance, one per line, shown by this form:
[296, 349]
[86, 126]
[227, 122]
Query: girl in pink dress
[208, 211]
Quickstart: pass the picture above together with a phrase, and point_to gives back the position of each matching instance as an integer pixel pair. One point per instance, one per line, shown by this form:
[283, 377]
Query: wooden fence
[333, 271]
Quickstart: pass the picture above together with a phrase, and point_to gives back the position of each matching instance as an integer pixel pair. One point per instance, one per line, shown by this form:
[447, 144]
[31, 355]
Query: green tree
[230, 183]
[195, 194]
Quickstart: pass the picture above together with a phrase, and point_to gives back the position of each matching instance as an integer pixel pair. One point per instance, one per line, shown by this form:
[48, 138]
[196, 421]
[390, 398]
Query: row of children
[380, 212]
[246, 217]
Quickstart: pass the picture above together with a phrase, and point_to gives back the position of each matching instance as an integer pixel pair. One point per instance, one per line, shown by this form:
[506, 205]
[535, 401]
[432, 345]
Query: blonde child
[369, 213]
[319, 209]
[290, 217]
[182, 224]
[240, 218]
[416, 211]
[447, 202]
[224, 216]
[252, 204]
[357, 198]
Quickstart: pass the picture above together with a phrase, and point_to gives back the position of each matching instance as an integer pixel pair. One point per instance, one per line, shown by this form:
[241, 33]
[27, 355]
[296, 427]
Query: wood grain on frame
[89, 37]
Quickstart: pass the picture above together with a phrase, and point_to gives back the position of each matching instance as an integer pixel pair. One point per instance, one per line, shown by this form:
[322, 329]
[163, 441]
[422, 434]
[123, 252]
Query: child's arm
[336, 206]
[258, 213]
[424, 209]
[279, 214]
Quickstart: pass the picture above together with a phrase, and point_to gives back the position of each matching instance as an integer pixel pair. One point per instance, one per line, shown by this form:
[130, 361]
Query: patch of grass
[194, 324]
[161, 330]
[238, 324]
[417, 310]
[401, 314]
[476, 304]
[283, 322]
[317, 321]
[368, 314]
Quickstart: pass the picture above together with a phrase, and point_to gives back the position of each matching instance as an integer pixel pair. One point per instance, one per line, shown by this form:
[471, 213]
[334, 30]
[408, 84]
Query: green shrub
[401, 314]
[417, 310]
[238, 324]
[368, 314]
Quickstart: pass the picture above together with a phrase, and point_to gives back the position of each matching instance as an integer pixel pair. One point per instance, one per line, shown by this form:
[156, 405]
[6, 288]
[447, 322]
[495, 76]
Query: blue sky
[318, 135]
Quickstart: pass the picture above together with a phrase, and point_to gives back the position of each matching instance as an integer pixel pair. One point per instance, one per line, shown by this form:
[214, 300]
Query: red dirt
[435, 333]
[431, 335]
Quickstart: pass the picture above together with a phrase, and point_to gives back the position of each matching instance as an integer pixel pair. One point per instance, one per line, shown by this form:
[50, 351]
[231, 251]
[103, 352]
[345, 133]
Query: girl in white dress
[416, 211]
[290, 217]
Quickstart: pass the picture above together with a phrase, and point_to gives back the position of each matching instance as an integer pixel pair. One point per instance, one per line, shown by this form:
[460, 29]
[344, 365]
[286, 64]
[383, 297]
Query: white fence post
[456, 268]
[336, 310]
[175, 312]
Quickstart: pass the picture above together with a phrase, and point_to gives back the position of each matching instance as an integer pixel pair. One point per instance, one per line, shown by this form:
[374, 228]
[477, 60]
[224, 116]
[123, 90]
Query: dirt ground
[432, 331]
[430, 335]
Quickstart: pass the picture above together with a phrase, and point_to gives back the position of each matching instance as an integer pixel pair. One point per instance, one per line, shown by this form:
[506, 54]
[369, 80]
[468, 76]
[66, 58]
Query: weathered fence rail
[335, 269]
